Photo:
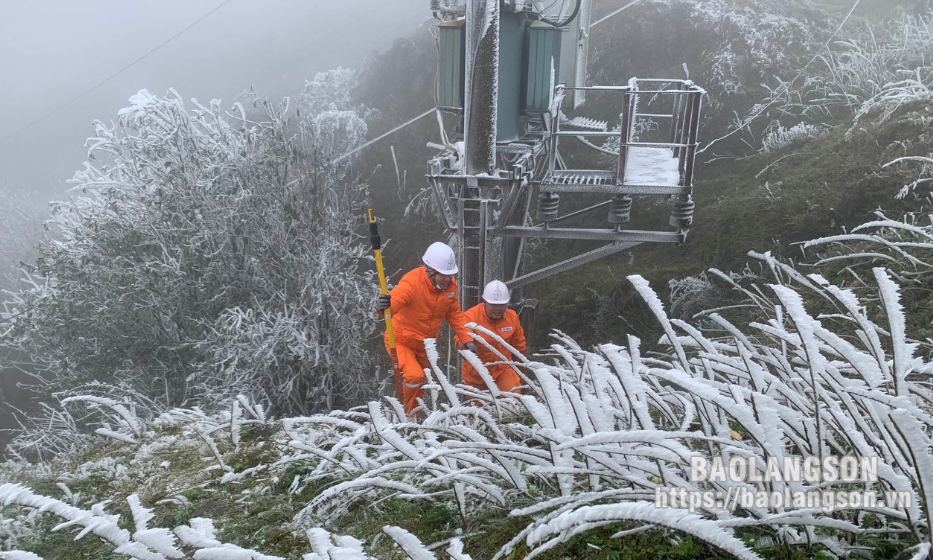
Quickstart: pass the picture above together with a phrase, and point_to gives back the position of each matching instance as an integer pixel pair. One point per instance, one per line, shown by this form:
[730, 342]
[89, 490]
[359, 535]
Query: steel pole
[480, 113]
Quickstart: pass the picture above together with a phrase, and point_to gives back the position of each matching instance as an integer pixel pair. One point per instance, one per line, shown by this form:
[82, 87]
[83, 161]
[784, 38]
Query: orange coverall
[509, 328]
[417, 312]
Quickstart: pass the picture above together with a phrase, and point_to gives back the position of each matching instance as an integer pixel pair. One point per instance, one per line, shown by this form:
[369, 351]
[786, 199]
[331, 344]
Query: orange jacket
[418, 309]
[508, 327]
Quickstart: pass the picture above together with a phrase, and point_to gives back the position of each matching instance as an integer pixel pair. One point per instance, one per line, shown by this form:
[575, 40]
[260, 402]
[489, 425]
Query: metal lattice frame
[488, 208]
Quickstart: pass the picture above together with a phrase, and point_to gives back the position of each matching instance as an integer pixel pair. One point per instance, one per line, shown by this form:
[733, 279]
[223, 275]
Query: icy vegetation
[736, 45]
[205, 253]
[598, 431]
[876, 73]
[864, 74]
[780, 137]
[762, 34]
[208, 268]
[158, 543]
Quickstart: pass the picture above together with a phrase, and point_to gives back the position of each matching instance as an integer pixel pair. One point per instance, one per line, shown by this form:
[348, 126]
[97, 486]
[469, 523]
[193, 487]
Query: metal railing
[480, 208]
[684, 119]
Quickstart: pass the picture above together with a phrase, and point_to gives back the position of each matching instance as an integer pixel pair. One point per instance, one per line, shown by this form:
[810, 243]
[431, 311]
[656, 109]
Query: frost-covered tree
[329, 91]
[205, 254]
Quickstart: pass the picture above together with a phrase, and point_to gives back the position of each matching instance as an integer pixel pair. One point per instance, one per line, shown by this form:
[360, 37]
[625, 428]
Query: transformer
[512, 33]
[543, 55]
[450, 80]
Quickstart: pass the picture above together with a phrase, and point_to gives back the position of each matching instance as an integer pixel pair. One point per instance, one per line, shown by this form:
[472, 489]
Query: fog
[53, 54]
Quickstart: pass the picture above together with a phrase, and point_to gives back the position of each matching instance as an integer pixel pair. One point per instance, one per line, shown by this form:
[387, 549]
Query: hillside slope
[763, 202]
[767, 202]
[571, 469]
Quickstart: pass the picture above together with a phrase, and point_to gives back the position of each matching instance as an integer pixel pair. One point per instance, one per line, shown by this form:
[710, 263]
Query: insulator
[682, 214]
[620, 209]
[435, 5]
[548, 204]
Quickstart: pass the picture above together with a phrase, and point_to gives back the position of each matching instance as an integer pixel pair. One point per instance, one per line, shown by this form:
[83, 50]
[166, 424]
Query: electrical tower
[512, 73]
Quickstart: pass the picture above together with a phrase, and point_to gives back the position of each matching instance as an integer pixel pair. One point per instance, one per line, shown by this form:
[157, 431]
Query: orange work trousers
[506, 379]
[412, 362]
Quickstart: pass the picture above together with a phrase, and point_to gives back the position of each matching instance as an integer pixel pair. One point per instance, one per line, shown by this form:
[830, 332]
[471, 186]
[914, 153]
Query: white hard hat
[496, 292]
[441, 258]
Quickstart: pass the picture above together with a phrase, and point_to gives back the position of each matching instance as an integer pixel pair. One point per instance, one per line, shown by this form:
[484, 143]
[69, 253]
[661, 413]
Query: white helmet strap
[431, 275]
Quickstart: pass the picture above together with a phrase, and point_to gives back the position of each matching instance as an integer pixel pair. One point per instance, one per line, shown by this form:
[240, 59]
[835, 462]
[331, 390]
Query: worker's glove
[471, 346]
[383, 302]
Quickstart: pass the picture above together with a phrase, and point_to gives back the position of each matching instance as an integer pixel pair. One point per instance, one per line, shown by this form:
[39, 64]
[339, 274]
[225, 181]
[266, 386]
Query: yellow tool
[390, 334]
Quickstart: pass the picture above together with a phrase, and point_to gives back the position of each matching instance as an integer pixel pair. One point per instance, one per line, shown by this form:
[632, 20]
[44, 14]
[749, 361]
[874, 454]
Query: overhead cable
[629, 5]
[576, 10]
[394, 130]
[115, 74]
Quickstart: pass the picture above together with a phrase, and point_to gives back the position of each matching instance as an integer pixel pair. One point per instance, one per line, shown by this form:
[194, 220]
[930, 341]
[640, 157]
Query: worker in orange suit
[494, 314]
[423, 298]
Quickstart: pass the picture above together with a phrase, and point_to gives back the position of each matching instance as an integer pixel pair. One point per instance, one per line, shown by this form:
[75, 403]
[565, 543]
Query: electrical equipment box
[512, 27]
[542, 72]
[450, 80]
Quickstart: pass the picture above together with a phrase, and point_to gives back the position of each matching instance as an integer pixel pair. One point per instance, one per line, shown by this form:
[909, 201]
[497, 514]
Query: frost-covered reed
[826, 370]
[600, 429]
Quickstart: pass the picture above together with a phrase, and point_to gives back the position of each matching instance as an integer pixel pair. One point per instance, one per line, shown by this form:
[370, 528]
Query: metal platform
[648, 170]
[645, 167]
[484, 207]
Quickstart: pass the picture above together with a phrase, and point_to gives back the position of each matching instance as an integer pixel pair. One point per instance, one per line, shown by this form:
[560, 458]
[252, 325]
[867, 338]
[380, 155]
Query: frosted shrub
[48, 433]
[329, 91]
[869, 73]
[779, 137]
[693, 293]
[117, 412]
[205, 254]
[759, 37]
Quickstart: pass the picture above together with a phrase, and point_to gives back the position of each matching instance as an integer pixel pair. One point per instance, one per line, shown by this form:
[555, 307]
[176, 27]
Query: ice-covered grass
[827, 370]
[859, 74]
[780, 137]
[597, 432]
[197, 539]
[877, 73]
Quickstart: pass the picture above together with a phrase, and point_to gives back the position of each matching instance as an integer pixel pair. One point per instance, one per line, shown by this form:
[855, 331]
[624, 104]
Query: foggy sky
[54, 50]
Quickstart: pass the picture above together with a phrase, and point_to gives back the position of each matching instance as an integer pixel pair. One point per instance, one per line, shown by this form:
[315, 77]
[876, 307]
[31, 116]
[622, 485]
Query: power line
[115, 74]
[396, 129]
[597, 22]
